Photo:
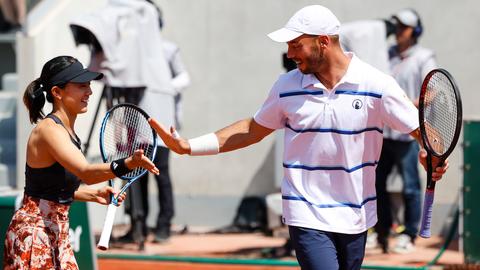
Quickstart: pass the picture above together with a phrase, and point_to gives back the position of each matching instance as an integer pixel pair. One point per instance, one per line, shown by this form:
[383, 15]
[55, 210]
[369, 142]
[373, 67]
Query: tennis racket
[124, 129]
[440, 116]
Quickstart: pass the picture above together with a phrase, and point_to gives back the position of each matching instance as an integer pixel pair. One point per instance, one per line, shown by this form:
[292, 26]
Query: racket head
[440, 119]
[124, 130]
[440, 113]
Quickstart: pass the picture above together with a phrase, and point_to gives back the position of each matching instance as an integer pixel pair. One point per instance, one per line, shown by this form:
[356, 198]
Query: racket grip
[427, 214]
[107, 227]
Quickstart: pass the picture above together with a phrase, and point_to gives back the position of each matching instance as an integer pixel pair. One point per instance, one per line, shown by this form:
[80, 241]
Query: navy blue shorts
[320, 250]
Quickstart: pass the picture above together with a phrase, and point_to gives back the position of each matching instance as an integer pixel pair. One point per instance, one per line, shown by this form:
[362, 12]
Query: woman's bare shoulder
[48, 130]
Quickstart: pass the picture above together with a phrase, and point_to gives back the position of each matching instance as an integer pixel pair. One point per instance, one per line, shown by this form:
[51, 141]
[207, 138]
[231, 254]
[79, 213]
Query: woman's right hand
[138, 159]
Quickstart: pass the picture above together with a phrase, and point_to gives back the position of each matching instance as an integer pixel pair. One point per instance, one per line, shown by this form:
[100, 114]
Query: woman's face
[75, 97]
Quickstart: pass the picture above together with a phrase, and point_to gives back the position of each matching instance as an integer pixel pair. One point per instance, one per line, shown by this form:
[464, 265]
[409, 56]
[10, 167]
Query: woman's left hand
[103, 195]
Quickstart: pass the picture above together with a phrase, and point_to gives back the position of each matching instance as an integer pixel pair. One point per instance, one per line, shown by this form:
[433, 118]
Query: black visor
[75, 73]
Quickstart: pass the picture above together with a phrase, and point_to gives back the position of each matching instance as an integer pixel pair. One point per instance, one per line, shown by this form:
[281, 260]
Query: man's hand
[437, 172]
[171, 138]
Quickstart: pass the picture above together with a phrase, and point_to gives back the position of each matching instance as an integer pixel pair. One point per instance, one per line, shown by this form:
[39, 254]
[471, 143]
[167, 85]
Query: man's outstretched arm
[235, 136]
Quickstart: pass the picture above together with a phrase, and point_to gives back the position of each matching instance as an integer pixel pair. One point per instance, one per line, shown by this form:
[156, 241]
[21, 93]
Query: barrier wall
[471, 191]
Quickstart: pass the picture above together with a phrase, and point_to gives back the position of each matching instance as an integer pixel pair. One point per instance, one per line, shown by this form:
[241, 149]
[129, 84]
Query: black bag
[251, 215]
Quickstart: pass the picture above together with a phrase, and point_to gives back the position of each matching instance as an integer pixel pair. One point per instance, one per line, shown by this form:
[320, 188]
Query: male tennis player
[333, 108]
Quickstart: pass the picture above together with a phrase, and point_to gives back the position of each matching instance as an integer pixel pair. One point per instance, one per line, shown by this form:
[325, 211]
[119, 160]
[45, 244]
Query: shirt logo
[115, 165]
[357, 104]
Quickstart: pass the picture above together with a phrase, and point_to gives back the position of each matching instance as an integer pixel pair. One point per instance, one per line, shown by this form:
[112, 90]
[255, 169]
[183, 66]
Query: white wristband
[204, 145]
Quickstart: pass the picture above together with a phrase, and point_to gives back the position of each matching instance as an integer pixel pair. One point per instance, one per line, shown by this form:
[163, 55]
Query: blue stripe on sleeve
[333, 205]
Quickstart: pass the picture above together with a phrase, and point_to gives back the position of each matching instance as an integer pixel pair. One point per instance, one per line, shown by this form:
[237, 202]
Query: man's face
[306, 53]
[403, 34]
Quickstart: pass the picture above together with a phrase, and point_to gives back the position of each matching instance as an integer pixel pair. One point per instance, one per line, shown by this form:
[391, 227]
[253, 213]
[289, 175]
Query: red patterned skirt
[37, 237]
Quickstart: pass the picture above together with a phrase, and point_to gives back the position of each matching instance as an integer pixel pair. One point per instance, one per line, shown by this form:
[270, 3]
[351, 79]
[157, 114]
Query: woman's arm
[101, 196]
[56, 141]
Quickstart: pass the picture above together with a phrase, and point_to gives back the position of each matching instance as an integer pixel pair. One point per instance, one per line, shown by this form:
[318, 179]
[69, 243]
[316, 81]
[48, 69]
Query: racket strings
[440, 113]
[126, 131]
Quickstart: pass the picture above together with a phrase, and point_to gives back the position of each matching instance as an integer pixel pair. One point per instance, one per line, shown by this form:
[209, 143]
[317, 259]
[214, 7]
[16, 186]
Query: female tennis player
[37, 237]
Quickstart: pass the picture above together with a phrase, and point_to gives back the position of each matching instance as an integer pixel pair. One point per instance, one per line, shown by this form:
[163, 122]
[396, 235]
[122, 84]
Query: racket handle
[427, 213]
[107, 227]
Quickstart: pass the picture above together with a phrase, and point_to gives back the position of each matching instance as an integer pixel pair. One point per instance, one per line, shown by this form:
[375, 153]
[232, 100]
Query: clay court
[255, 251]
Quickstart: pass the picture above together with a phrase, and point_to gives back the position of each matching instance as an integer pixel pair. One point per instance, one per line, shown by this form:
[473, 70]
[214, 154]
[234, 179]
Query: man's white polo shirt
[332, 143]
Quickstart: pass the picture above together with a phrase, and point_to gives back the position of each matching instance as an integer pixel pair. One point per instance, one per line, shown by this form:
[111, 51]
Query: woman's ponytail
[34, 99]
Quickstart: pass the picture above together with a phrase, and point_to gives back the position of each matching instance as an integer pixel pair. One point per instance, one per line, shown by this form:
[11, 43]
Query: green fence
[81, 237]
[7, 207]
[471, 191]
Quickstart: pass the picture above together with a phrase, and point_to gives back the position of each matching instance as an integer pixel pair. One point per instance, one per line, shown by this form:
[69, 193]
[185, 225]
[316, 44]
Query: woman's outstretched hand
[138, 159]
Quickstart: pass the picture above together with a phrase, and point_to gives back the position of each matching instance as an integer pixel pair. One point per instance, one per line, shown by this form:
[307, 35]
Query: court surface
[253, 248]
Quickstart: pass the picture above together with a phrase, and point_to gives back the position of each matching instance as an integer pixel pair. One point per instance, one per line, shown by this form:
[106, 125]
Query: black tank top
[53, 183]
